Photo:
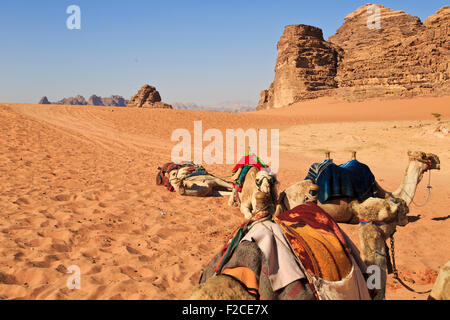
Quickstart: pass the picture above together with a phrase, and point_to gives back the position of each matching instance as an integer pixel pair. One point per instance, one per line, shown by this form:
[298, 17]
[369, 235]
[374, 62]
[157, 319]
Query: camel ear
[410, 153]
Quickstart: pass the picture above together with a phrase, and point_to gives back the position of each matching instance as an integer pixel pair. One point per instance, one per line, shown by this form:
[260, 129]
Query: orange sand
[78, 188]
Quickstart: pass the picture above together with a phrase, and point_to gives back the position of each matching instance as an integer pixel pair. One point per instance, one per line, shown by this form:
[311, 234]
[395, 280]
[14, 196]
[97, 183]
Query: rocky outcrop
[400, 57]
[44, 100]
[403, 58]
[147, 97]
[77, 100]
[305, 67]
[94, 100]
[115, 101]
[220, 107]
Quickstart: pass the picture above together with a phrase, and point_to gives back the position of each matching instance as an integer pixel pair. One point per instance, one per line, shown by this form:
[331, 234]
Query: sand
[78, 188]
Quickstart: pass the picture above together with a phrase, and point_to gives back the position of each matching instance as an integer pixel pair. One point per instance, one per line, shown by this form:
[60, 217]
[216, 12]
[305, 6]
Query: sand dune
[78, 188]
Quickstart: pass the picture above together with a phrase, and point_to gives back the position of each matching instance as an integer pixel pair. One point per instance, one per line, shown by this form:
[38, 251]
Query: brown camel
[378, 216]
[255, 181]
[346, 209]
[198, 185]
[379, 219]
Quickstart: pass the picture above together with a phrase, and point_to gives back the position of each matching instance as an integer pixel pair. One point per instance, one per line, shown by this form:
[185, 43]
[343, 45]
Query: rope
[429, 187]
[395, 271]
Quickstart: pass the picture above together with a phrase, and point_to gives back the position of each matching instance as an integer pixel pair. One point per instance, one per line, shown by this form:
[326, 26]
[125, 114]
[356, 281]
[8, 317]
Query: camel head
[266, 183]
[427, 161]
[390, 212]
[302, 192]
[176, 176]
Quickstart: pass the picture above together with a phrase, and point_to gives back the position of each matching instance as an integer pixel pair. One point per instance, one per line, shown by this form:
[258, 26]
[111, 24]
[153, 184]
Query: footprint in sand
[62, 197]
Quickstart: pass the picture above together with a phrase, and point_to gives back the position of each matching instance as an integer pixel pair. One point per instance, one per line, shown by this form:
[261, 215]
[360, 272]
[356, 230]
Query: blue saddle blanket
[351, 179]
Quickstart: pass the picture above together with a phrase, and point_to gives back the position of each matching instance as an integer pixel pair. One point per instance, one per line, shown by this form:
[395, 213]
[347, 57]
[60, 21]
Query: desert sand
[77, 187]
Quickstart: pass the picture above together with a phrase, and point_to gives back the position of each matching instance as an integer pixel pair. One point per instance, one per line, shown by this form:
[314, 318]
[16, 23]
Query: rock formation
[115, 101]
[94, 100]
[305, 67]
[44, 100]
[220, 107]
[77, 100]
[402, 58]
[147, 97]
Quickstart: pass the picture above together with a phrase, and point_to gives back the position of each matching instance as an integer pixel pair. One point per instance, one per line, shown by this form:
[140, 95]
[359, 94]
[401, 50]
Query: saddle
[351, 179]
[325, 257]
[317, 241]
[246, 162]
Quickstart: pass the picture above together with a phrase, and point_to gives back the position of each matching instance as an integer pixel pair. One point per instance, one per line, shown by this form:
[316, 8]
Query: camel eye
[313, 192]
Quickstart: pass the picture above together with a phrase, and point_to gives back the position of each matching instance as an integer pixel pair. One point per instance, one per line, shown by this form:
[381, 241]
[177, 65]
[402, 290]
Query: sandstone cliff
[402, 58]
[147, 97]
[305, 67]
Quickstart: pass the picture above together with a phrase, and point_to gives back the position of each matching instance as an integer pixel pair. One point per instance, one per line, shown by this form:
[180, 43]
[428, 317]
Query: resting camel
[203, 185]
[381, 215]
[346, 209]
[255, 181]
[248, 256]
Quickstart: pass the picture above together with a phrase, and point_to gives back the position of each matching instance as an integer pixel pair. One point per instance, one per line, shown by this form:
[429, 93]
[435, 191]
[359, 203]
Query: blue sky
[205, 52]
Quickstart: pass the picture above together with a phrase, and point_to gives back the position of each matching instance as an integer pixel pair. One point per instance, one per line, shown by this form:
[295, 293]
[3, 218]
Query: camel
[346, 209]
[248, 259]
[441, 287]
[378, 217]
[378, 221]
[203, 185]
[255, 181]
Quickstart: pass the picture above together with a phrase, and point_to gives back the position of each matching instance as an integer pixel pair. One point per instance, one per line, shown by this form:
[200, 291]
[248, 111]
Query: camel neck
[412, 178]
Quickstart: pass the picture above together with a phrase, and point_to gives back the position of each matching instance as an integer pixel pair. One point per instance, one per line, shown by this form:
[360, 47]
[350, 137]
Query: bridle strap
[378, 222]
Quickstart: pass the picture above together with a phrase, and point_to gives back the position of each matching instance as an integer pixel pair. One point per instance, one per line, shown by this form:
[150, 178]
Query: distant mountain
[94, 100]
[221, 107]
[119, 101]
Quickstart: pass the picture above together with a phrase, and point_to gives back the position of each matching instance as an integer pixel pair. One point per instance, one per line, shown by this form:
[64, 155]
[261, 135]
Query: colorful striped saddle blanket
[248, 161]
[317, 241]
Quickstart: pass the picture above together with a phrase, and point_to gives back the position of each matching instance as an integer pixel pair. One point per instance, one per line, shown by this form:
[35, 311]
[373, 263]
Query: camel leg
[374, 253]
[231, 199]
[222, 183]
[197, 190]
[246, 209]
